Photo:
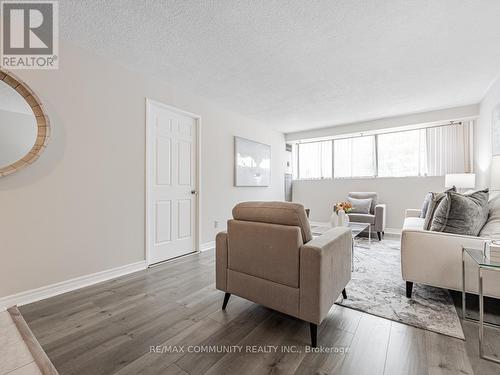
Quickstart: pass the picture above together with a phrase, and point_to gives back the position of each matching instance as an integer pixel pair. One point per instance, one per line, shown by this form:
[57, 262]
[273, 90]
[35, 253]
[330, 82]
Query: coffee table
[482, 263]
[356, 229]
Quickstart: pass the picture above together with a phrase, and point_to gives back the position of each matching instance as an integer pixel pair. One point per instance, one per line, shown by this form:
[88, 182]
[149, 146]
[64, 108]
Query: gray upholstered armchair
[268, 256]
[375, 216]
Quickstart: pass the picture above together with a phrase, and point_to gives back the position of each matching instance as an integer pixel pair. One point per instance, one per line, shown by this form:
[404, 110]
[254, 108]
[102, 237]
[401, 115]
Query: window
[431, 151]
[402, 154]
[354, 157]
[315, 160]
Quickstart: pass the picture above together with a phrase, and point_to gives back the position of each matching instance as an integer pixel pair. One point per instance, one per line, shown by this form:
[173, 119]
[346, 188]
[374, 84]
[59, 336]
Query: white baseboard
[44, 292]
[207, 246]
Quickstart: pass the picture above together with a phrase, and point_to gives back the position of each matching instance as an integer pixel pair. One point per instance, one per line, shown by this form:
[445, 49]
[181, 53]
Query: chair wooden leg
[226, 300]
[344, 294]
[314, 334]
[409, 288]
[379, 234]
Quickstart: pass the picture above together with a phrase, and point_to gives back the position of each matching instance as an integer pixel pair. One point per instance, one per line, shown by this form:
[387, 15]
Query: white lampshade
[460, 180]
[495, 173]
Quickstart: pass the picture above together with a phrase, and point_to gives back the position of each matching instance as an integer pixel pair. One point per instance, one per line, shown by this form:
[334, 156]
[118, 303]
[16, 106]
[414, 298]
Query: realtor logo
[29, 34]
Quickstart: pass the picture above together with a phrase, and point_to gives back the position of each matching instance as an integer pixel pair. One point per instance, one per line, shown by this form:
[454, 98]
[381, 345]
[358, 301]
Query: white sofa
[435, 258]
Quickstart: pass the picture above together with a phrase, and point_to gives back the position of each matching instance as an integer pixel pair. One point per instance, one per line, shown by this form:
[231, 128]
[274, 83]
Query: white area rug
[377, 288]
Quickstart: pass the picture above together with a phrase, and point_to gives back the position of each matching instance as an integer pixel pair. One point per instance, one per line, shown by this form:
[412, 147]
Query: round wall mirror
[24, 127]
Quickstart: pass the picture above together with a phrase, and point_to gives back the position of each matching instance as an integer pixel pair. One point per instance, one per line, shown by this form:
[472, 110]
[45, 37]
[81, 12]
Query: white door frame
[197, 119]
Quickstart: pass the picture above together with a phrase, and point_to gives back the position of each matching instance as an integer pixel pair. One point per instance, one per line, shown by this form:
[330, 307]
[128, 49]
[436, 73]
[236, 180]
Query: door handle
[194, 192]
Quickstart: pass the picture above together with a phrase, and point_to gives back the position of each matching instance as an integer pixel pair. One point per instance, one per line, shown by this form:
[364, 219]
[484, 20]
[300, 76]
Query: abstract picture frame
[252, 163]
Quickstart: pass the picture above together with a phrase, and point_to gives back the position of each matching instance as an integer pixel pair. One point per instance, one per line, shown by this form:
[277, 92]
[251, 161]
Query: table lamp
[460, 180]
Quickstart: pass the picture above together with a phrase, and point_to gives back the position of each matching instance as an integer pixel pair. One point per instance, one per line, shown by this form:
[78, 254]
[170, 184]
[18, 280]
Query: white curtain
[449, 149]
[354, 157]
[315, 160]
[402, 154]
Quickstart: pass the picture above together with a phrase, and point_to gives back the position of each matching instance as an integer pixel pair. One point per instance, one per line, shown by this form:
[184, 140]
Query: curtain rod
[376, 132]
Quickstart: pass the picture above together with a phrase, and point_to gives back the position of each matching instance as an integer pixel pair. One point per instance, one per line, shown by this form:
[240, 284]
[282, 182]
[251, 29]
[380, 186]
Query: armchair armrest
[325, 270]
[380, 214]
[413, 212]
[221, 261]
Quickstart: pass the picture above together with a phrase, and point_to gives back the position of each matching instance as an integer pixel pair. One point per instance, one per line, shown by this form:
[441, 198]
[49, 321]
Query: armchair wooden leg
[379, 234]
[409, 288]
[344, 294]
[226, 300]
[314, 334]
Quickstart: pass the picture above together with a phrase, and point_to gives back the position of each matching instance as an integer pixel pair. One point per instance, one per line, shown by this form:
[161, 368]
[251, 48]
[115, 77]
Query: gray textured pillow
[433, 204]
[461, 214]
[492, 227]
[360, 206]
[426, 204]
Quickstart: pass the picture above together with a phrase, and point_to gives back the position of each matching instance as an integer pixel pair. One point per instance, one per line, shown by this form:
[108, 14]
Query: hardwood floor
[121, 327]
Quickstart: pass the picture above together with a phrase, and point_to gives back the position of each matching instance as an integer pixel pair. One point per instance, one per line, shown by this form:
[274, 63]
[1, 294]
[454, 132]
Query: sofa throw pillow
[360, 206]
[433, 203]
[492, 227]
[426, 204]
[461, 214]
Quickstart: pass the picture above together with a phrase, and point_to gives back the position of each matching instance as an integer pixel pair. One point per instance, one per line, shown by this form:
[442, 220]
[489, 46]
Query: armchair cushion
[360, 206]
[362, 218]
[365, 195]
[284, 213]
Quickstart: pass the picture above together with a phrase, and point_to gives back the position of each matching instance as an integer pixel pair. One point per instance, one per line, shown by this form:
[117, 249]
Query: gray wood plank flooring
[110, 328]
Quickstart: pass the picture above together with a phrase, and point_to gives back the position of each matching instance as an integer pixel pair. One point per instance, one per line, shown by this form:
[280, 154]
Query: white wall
[482, 135]
[398, 193]
[80, 208]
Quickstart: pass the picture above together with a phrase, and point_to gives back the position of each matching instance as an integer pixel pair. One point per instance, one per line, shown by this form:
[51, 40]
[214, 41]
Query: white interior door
[172, 176]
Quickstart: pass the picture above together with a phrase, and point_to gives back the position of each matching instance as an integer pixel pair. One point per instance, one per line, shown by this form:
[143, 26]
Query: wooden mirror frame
[42, 122]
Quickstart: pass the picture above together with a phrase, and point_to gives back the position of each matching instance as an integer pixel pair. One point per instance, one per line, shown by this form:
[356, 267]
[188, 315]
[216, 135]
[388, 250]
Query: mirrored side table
[482, 264]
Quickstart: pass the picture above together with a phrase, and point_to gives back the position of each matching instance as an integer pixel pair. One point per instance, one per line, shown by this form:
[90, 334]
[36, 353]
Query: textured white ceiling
[299, 64]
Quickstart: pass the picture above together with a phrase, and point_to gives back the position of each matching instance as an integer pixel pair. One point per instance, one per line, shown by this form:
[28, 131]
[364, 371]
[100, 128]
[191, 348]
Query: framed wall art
[252, 162]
